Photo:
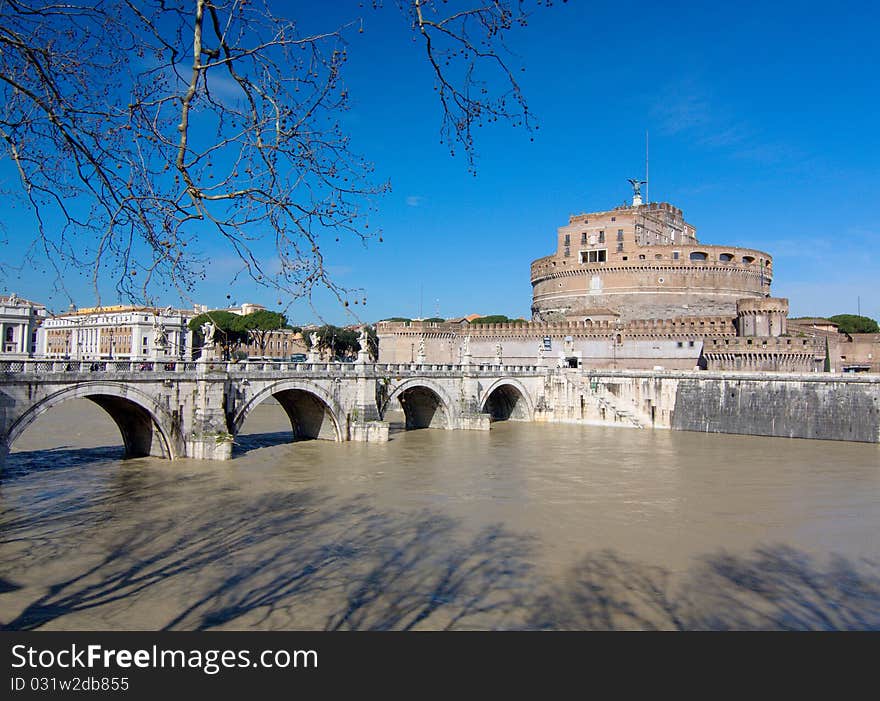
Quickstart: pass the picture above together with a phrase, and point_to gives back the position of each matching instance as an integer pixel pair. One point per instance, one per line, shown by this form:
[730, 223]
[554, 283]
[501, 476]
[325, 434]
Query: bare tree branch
[150, 136]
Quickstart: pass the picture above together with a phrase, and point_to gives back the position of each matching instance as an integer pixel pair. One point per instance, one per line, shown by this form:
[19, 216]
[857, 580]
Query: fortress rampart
[703, 280]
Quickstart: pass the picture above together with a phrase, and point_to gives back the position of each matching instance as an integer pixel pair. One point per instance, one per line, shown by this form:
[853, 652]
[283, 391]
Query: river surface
[527, 525]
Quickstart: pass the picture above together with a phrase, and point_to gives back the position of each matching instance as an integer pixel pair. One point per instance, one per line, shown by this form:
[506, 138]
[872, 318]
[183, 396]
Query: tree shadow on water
[771, 588]
[297, 561]
[132, 556]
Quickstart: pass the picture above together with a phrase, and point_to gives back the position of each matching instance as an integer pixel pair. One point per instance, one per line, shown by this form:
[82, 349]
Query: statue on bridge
[208, 329]
[160, 335]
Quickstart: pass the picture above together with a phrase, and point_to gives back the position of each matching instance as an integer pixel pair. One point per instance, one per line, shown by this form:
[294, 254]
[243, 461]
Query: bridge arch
[425, 403]
[312, 411]
[507, 398]
[146, 428]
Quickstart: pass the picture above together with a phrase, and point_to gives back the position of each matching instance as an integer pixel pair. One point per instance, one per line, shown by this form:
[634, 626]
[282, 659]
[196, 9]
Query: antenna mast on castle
[647, 192]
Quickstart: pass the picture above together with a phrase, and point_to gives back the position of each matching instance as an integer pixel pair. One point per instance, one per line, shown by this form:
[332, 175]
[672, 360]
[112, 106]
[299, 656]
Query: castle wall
[671, 344]
[650, 289]
[820, 406]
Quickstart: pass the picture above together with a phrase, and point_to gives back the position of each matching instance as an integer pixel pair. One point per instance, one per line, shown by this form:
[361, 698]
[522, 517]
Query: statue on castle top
[637, 186]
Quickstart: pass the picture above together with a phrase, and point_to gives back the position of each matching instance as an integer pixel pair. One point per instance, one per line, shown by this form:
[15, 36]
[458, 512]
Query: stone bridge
[195, 409]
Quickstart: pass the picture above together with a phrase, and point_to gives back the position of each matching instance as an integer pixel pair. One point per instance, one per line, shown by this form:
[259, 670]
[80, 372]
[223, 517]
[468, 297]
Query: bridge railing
[49, 366]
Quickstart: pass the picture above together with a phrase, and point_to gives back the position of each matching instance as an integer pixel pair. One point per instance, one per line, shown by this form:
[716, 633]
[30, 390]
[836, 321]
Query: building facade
[20, 320]
[117, 332]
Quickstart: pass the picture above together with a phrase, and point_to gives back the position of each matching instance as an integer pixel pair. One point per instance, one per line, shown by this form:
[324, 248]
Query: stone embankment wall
[814, 405]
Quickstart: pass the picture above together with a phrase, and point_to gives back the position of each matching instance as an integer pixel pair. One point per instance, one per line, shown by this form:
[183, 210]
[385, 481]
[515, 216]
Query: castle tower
[767, 316]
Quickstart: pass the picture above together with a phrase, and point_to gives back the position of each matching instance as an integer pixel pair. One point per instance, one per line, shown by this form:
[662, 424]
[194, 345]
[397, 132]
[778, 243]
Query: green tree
[340, 342]
[259, 324]
[853, 323]
[228, 332]
[495, 319]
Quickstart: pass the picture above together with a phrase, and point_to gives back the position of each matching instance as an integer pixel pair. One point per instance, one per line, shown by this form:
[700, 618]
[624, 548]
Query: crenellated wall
[643, 343]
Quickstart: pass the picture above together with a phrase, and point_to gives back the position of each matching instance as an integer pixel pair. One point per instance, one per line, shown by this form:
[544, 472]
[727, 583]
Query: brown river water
[525, 526]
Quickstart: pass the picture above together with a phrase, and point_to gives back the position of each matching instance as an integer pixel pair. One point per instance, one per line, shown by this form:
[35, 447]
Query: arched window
[699, 255]
[725, 257]
[10, 334]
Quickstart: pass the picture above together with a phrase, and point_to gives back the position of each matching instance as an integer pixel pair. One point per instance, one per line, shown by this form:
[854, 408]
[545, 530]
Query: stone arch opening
[143, 432]
[507, 402]
[311, 416]
[422, 408]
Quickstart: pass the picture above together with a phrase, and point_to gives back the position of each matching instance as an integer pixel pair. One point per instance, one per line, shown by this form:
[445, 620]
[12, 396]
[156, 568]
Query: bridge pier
[207, 435]
[365, 424]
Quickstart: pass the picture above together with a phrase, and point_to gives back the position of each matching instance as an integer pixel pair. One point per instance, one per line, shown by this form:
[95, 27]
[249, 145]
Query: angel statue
[637, 186]
[208, 330]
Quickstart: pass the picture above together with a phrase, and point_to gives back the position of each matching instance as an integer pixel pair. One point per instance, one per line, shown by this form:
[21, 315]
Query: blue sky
[763, 124]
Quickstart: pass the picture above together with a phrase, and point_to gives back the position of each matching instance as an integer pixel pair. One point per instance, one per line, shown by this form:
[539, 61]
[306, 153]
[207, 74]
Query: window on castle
[599, 256]
[620, 234]
[602, 237]
[675, 255]
[567, 240]
[613, 218]
[698, 255]
[725, 257]
[567, 252]
[641, 256]
[619, 247]
[584, 237]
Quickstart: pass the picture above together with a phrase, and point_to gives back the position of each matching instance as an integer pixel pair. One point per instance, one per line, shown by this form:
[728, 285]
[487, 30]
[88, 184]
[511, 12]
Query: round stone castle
[643, 261]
